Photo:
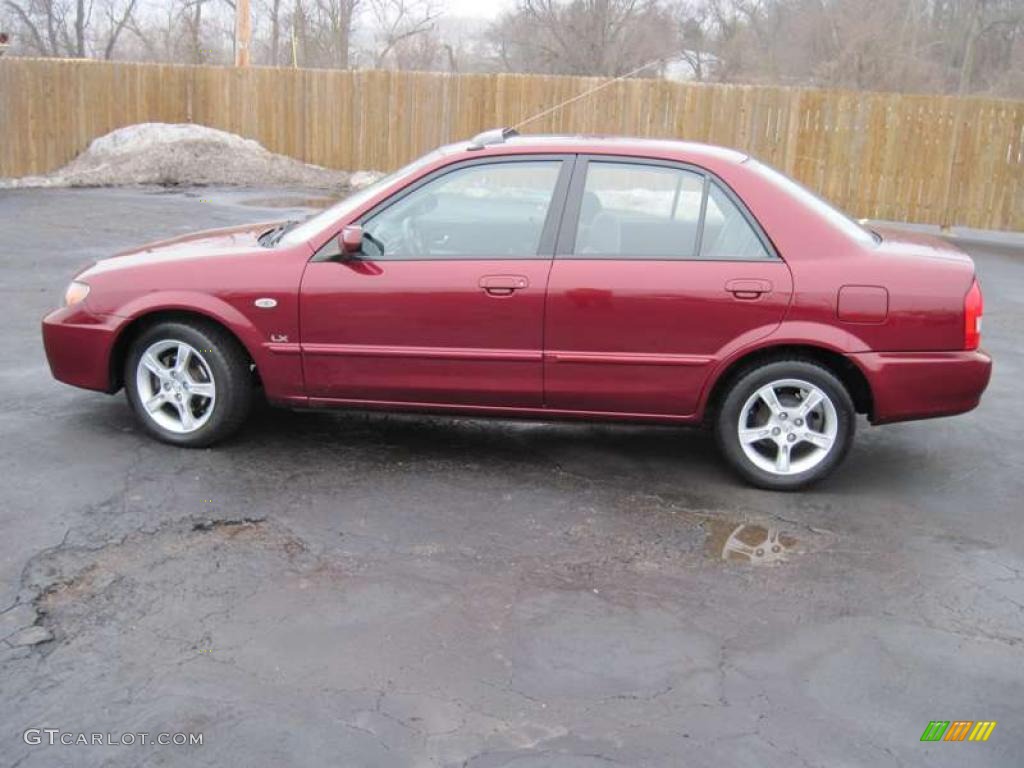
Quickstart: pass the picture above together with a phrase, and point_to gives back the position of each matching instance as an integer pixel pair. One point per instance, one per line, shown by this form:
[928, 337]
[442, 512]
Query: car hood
[209, 243]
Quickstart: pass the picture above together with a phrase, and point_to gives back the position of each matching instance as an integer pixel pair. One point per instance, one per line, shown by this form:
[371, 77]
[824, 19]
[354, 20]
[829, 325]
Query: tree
[65, 27]
[273, 12]
[332, 25]
[116, 20]
[584, 37]
[692, 21]
[402, 31]
[937, 46]
[963, 46]
[991, 31]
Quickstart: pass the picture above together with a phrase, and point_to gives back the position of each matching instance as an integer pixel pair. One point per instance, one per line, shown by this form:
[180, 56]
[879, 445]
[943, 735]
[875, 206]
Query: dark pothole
[187, 570]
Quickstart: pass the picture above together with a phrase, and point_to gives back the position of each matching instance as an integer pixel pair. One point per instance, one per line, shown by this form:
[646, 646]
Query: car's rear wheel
[785, 424]
[189, 383]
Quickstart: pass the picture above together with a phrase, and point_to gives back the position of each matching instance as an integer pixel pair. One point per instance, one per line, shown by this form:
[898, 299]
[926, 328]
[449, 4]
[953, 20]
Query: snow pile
[361, 179]
[172, 154]
[148, 136]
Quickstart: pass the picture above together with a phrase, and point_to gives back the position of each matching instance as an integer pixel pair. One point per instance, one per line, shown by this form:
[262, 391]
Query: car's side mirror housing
[350, 241]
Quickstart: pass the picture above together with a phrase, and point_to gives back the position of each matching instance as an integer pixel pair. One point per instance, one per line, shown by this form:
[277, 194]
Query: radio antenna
[583, 95]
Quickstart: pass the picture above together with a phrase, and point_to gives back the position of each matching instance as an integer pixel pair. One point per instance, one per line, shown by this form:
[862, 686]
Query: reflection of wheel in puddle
[756, 544]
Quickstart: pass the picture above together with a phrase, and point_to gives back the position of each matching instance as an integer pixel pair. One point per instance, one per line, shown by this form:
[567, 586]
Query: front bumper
[78, 346]
[923, 385]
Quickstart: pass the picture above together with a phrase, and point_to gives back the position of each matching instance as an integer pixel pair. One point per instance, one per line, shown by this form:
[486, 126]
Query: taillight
[974, 306]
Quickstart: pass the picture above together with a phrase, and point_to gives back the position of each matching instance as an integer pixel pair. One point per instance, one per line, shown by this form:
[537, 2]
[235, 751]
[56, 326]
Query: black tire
[745, 385]
[228, 364]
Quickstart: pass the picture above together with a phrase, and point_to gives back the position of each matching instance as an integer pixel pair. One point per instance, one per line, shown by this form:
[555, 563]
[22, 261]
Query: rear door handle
[746, 288]
[503, 285]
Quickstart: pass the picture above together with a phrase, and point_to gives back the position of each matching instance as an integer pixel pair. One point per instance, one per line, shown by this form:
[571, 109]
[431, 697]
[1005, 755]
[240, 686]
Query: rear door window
[639, 211]
[648, 211]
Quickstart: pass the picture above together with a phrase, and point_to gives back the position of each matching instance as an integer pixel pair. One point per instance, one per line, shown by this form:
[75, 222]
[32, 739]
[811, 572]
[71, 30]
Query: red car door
[445, 304]
[658, 269]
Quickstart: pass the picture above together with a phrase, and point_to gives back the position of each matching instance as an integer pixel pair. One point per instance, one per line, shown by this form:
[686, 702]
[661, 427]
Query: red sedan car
[546, 277]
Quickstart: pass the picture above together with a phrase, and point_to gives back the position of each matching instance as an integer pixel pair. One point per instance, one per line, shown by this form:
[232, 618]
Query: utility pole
[243, 33]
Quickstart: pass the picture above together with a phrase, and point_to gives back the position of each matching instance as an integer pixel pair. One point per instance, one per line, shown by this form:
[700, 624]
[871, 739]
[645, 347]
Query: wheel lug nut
[799, 422]
[791, 437]
[783, 416]
[776, 431]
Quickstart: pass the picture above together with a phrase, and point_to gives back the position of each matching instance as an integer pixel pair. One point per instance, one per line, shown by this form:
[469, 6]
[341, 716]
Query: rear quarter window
[727, 233]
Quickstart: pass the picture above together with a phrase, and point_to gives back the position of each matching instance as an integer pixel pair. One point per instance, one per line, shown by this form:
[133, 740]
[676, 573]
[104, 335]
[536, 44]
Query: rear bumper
[78, 346]
[923, 385]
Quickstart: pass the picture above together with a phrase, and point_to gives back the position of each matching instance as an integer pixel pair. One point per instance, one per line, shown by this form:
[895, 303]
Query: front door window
[487, 211]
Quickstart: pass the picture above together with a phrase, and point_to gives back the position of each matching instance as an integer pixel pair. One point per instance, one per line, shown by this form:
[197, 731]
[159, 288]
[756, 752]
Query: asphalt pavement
[354, 589]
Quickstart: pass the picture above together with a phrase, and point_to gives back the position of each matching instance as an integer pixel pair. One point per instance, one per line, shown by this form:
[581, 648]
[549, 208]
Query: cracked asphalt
[378, 590]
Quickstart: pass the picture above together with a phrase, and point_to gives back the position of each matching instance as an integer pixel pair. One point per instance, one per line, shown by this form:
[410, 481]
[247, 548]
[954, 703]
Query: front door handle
[748, 289]
[503, 285]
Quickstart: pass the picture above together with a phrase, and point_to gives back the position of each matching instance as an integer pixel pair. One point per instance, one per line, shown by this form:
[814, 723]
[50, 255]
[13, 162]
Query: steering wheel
[411, 237]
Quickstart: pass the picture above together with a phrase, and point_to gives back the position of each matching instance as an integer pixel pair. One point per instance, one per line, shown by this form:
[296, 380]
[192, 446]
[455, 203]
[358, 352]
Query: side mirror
[350, 241]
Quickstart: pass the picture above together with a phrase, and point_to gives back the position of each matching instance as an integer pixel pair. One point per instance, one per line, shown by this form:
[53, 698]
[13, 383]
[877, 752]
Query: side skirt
[493, 411]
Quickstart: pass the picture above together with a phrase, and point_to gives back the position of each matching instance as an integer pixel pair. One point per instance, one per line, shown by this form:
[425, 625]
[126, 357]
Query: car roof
[618, 145]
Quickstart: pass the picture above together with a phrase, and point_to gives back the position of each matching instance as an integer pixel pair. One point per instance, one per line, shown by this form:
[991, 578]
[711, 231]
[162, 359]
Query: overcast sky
[481, 9]
[477, 9]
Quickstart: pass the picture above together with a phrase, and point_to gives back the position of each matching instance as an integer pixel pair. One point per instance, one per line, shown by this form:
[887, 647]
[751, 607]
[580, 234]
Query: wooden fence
[930, 159]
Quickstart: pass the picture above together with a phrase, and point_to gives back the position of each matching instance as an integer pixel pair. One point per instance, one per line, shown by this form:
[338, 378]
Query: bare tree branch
[26, 21]
[117, 25]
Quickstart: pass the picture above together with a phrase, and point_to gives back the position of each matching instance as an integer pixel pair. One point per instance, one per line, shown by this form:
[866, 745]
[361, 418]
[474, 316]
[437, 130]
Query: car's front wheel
[785, 424]
[188, 382]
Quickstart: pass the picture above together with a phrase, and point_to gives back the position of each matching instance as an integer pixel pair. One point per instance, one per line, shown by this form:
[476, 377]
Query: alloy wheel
[175, 385]
[788, 427]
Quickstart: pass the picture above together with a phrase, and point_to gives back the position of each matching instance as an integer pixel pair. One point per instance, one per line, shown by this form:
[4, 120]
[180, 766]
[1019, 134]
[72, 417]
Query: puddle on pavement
[289, 202]
[749, 543]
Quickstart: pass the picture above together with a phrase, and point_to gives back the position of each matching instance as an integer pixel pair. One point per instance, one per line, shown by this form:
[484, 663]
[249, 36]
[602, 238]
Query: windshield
[836, 217]
[318, 222]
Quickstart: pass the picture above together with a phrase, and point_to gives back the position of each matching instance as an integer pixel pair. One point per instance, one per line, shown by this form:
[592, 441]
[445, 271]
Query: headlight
[75, 293]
